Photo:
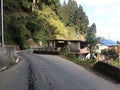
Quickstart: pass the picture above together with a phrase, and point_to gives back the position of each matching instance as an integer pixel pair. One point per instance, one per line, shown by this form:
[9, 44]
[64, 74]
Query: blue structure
[108, 42]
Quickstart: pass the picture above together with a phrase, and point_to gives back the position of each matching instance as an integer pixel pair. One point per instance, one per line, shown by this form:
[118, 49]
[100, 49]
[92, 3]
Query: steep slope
[28, 23]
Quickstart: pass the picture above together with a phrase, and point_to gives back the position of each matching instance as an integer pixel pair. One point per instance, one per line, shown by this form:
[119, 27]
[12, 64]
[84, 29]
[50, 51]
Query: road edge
[17, 60]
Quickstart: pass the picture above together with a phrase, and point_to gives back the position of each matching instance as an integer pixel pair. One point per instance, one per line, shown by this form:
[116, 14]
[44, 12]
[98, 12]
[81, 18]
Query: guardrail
[108, 69]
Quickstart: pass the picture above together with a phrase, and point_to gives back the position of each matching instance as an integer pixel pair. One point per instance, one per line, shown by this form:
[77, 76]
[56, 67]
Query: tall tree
[118, 42]
[91, 37]
[68, 11]
[81, 21]
[53, 4]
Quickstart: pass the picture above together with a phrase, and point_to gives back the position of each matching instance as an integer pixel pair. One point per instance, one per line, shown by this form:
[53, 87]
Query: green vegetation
[91, 38]
[74, 16]
[87, 63]
[115, 63]
[110, 54]
[26, 23]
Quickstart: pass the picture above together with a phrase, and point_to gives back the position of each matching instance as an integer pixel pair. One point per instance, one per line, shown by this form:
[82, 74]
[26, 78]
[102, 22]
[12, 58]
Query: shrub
[112, 54]
[70, 55]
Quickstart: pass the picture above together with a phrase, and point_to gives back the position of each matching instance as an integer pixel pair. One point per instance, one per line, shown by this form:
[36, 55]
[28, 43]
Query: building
[78, 47]
[106, 45]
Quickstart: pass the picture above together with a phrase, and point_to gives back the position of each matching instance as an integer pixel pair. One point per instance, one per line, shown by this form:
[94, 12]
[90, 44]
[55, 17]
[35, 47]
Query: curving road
[47, 72]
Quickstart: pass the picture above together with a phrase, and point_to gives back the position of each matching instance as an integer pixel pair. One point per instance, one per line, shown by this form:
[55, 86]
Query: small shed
[67, 45]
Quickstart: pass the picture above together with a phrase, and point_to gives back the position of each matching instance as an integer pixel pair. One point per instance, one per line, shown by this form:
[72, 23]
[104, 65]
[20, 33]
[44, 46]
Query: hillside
[28, 23]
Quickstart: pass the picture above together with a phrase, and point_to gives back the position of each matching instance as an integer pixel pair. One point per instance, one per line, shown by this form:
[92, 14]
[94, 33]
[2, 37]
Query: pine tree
[81, 21]
[53, 4]
[68, 12]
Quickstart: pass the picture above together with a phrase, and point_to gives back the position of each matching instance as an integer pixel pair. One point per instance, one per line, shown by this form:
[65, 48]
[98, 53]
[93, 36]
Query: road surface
[48, 72]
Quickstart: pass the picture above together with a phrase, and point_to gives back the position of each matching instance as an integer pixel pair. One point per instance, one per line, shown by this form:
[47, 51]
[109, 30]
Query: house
[69, 45]
[106, 44]
[76, 46]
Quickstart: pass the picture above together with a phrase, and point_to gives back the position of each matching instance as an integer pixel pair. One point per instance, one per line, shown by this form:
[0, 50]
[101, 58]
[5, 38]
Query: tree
[75, 17]
[91, 38]
[111, 54]
[100, 38]
[118, 42]
[49, 20]
[53, 4]
[91, 35]
[81, 21]
[68, 11]
[17, 5]
[17, 30]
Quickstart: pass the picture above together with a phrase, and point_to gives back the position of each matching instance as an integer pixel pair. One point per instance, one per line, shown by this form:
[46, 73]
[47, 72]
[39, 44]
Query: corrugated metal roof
[108, 42]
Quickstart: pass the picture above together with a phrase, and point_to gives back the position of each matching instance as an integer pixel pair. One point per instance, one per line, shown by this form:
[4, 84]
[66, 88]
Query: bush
[70, 55]
[112, 54]
[26, 46]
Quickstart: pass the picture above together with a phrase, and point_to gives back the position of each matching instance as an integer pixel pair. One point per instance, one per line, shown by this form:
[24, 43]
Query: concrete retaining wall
[108, 70]
[6, 55]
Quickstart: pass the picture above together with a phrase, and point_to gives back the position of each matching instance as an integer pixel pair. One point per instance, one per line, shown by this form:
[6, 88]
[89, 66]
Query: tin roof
[108, 42]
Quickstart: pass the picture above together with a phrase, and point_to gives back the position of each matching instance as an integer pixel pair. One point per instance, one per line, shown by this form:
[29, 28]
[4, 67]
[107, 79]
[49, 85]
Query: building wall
[74, 46]
[100, 47]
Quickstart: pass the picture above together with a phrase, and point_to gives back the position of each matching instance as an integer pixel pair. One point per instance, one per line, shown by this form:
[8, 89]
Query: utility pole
[2, 23]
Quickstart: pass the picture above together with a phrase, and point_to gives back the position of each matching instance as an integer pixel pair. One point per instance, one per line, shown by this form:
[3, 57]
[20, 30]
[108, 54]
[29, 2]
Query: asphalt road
[47, 72]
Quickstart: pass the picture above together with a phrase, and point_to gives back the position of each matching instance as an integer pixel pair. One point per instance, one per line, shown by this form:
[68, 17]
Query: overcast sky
[106, 15]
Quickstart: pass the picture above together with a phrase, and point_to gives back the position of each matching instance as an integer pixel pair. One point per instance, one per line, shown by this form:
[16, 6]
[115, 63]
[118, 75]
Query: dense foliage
[72, 57]
[91, 38]
[28, 23]
[110, 54]
[74, 16]
[91, 35]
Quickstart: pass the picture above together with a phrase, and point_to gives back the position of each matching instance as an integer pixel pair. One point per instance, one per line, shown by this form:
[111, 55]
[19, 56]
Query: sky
[105, 14]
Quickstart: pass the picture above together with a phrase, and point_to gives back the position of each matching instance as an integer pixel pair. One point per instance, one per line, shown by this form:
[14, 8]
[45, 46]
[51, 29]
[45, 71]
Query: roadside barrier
[7, 54]
[108, 69]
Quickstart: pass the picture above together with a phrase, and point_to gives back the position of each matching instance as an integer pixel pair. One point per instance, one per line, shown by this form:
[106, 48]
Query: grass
[115, 63]
[87, 63]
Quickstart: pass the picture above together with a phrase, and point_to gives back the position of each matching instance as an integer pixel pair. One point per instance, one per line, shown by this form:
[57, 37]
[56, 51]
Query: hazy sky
[106, 15]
